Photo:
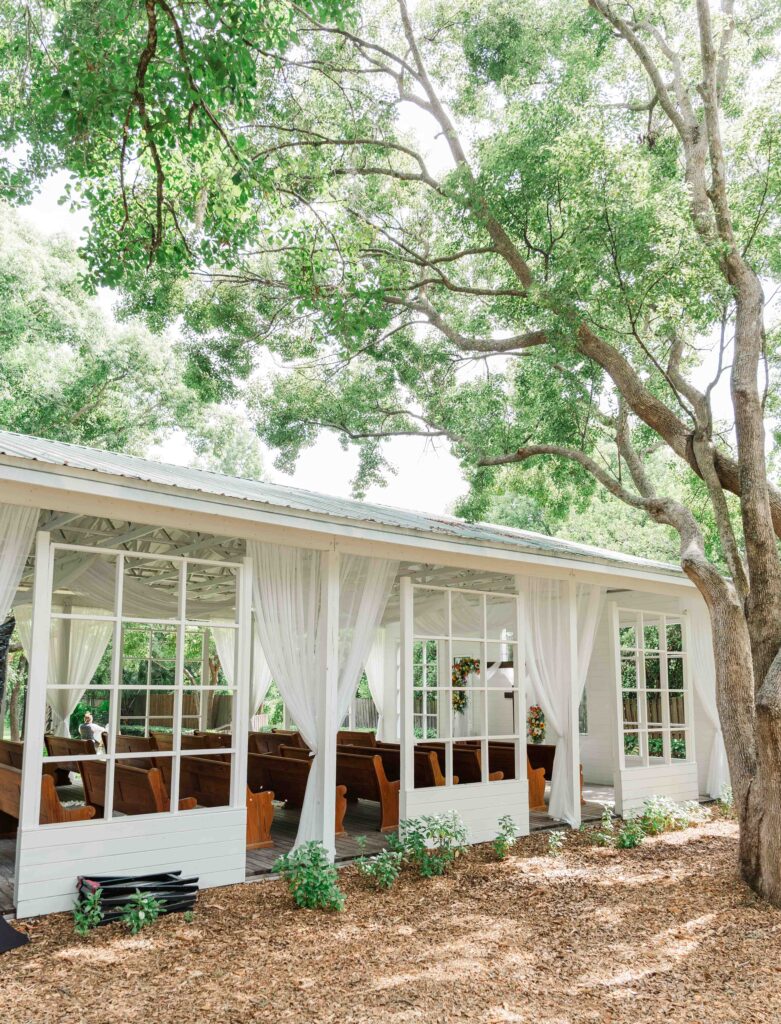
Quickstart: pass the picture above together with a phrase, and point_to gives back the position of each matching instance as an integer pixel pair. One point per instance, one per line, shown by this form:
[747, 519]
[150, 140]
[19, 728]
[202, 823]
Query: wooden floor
[596, 797]
[362, 819]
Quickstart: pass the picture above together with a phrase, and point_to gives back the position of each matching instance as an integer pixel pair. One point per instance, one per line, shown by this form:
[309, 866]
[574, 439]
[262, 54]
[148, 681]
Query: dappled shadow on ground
[665, 932]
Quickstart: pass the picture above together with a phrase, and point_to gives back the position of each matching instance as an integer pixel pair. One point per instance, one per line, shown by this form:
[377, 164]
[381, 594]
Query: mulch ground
[665, 932]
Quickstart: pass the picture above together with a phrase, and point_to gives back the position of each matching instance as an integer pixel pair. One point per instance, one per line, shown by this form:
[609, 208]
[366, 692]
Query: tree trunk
[752, 737]
[6, 631]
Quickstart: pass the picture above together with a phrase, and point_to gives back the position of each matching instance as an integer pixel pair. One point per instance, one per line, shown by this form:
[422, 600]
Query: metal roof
[279, 496]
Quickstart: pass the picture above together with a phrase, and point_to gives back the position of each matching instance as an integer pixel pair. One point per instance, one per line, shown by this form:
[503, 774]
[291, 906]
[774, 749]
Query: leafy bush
[311, 877]
[431, 843]
[661, 814]
[556, 843]
[141, 910]
[630, 834]
[382, 869]
[189, 917]
[508, 833]
[87, 913]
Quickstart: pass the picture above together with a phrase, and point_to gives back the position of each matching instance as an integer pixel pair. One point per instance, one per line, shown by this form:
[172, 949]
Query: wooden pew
[286, 779]
[208, 781]
[536, 777]
[136, 790]
[11, 753]
[427, 770]
[136, 745]
[64, 746]
[365, 779]
[270, 742]
[52, 809]
[165, 741]
[355, 738]
[467, 762]
[213, 740]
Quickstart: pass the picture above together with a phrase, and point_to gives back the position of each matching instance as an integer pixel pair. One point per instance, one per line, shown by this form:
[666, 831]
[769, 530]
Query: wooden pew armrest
[79, 813]
[187, 803]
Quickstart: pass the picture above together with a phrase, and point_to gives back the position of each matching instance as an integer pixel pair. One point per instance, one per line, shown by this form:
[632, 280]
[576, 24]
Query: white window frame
[43, 615]
[639, 653]
[444, 689]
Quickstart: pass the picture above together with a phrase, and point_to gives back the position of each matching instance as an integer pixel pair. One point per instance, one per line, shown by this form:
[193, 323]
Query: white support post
[243, 667]
[327, 724]
[206, 680]
[406, 730]
[688, 686]
[35, 711]
[573, 722]
[519, 669]
[117, 662]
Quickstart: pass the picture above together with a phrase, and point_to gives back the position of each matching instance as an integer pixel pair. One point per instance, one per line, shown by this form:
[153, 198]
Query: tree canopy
[67, 372]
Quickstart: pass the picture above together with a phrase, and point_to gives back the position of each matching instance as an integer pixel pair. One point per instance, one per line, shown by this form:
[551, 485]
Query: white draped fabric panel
[375, 677]
[17, 533]
[260, 678]
[364, 588]
[703, 674]
[290, 620]
[75, 649]
[547, 611]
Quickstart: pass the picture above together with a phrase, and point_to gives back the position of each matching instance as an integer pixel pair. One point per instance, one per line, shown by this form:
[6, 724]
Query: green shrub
[382, 869]
[141, 910]
[87, 913]
[661, 814]
[556, 843]
[311, 877]
[431, 843]
[508, 834]
[630, 834]
[189, 917]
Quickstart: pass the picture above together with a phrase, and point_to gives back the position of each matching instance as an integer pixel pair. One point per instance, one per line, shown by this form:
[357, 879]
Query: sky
[428, 478]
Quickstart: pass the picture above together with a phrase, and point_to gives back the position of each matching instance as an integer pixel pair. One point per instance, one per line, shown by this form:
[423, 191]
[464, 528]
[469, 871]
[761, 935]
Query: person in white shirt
[90, 730]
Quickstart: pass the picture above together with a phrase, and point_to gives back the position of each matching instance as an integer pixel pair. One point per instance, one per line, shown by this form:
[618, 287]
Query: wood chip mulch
[663, 933]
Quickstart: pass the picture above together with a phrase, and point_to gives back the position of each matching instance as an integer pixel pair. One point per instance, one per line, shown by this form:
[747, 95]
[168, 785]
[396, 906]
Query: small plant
[382, 869]
[141, 910]
[87, 913]
[508, 834]
[555, 843]
[630, 834]
[727, 802]
[431, 843]
[189, 917]
[603, 836]
[311, 877]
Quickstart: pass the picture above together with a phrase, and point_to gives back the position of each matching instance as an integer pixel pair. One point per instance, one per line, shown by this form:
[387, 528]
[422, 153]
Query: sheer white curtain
[260, 677]
[17, 533]
[75, 649]
[290, 620]
[364, 588]
[375, 677]
[547, 656]
[703, 673]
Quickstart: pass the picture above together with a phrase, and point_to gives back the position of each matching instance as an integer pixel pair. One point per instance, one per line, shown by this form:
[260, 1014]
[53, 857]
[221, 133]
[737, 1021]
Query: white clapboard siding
[207, 842]
[635, 785]
[480, 805]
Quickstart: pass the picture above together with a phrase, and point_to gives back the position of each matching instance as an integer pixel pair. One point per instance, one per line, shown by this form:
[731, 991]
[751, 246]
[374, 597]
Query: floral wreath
[463, 668]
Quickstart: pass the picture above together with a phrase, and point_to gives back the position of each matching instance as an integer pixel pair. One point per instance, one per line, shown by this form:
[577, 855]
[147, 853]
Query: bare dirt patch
[665, 932]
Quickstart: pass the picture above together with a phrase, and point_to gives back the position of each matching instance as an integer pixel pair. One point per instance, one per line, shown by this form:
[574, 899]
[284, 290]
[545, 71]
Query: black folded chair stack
[176, 894]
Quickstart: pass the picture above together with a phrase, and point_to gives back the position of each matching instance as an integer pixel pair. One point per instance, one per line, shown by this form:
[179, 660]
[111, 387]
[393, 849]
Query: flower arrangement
[535, 722]
[462, 670]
